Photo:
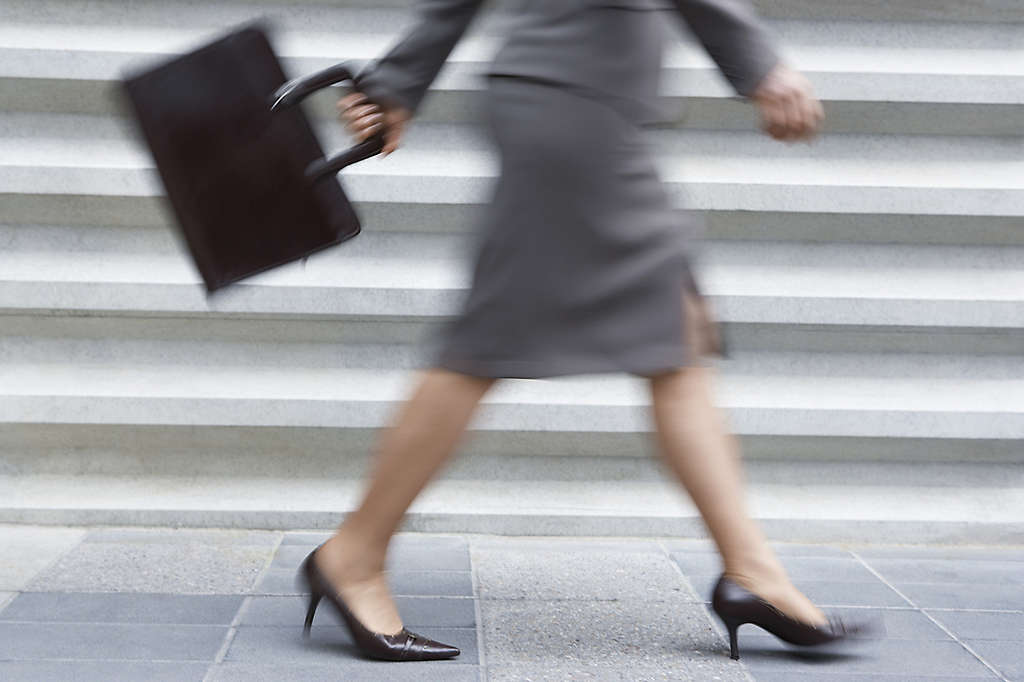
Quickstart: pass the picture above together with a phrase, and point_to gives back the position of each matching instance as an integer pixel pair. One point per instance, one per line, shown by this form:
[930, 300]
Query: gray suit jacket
[612, 47]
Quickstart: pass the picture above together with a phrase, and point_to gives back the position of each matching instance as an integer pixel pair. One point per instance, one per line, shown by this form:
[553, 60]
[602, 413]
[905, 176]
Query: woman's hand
[363, 119]
[789, 109]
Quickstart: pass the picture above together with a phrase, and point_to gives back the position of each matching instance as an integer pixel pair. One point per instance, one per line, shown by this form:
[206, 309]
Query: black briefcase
[241, 166]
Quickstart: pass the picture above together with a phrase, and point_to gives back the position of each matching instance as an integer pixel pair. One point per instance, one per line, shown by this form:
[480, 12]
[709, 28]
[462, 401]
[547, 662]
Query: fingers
[788, 107]
[361, 117]
[364, 119]
[392, 135]
[792, 116]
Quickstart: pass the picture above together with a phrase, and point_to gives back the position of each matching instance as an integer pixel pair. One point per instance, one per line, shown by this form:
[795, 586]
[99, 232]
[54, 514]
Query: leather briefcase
[241, 166]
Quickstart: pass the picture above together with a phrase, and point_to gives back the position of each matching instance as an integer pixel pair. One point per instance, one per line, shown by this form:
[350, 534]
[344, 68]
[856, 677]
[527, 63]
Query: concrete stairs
[871, 286]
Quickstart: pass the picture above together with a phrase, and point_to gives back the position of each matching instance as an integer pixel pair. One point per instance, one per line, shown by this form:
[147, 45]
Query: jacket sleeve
[401, 77]
[733, 35]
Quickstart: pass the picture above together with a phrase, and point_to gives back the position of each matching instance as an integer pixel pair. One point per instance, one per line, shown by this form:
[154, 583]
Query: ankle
[756, 568]
[354, 555]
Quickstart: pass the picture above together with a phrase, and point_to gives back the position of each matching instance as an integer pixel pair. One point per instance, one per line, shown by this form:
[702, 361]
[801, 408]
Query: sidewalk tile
[310, 538]
[101, 671]
[190, 536]
[330, 644]
[527, 544]
[762, 676]
[457, 612]
[898, 571]
[978, 596]
[406, 556]
[369, 671]
[892, 657]
[799, 567]
[27, 550]
[108, 607]
[1007, 658]
[682, 670]
[188, 568]
[1007, 627]
[282, 581]
[825, 593]
[869, 552]
[577, 574]
[606, 634]
[782, 549]
[21, 641]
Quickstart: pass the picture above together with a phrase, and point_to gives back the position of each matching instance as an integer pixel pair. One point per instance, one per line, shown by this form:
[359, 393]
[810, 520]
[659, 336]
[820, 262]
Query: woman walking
[581, 267]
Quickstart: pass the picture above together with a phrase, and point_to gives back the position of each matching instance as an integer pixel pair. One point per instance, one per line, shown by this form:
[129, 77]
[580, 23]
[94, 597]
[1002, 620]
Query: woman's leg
[426, 432]
[694, 441]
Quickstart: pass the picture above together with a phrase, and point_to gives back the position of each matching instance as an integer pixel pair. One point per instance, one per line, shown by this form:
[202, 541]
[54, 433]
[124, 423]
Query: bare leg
[410, 453]
[694, 442]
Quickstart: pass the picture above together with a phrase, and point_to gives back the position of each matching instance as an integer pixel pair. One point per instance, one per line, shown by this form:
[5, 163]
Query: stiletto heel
[314, 599]
[735, 605]
[404, 645]
[734, 645]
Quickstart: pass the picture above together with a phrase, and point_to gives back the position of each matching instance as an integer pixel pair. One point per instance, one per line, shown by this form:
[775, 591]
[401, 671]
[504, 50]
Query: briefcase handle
[296, 90]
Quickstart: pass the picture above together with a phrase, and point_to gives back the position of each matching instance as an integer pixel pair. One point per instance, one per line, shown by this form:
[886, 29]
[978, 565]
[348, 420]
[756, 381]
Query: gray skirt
[581, 263]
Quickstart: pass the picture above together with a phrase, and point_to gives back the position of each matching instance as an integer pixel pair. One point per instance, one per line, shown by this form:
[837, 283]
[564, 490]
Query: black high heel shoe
[736, 605]
[401, 646]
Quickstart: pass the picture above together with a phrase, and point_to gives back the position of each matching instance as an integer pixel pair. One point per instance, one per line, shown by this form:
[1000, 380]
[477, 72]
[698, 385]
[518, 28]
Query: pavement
[160, 604]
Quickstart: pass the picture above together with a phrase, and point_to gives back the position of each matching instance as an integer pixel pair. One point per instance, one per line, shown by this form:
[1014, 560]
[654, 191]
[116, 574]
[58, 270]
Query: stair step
[921, 78]
[768, 394]
[797, 513]
[717, 177]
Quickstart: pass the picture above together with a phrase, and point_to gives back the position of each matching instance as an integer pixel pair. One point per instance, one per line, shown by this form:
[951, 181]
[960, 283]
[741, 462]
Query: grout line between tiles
[721, 634]
[477, 612]
[88, 531]
[939, 624]
[229, 637]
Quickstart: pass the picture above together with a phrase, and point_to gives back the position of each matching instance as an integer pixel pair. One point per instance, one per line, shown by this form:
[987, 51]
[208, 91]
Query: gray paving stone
[370, 671]
[330, 644]
[456, 612]
[95, 641]
[947, 553]
[799, 567]
[788, 676]
[898, 571]
[577, 574]
[634, 672]
[782, 549]
[565, 544]
[404, 583]
[186, 568]
[892, 657]
[401, 540]
[603, 634]
[311, 539]
[1008, 659]
[825, 593]
[175, 536]
[983, 624]
[101, 671]
[5, 599]
[977, 596]
[107, 607]
[407, 556]
[26, 550]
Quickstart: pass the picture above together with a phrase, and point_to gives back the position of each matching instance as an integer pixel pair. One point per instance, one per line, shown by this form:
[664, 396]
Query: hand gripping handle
[296, 90]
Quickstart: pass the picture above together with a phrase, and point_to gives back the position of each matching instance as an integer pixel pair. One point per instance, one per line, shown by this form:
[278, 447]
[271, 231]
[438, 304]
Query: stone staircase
[871, 286]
